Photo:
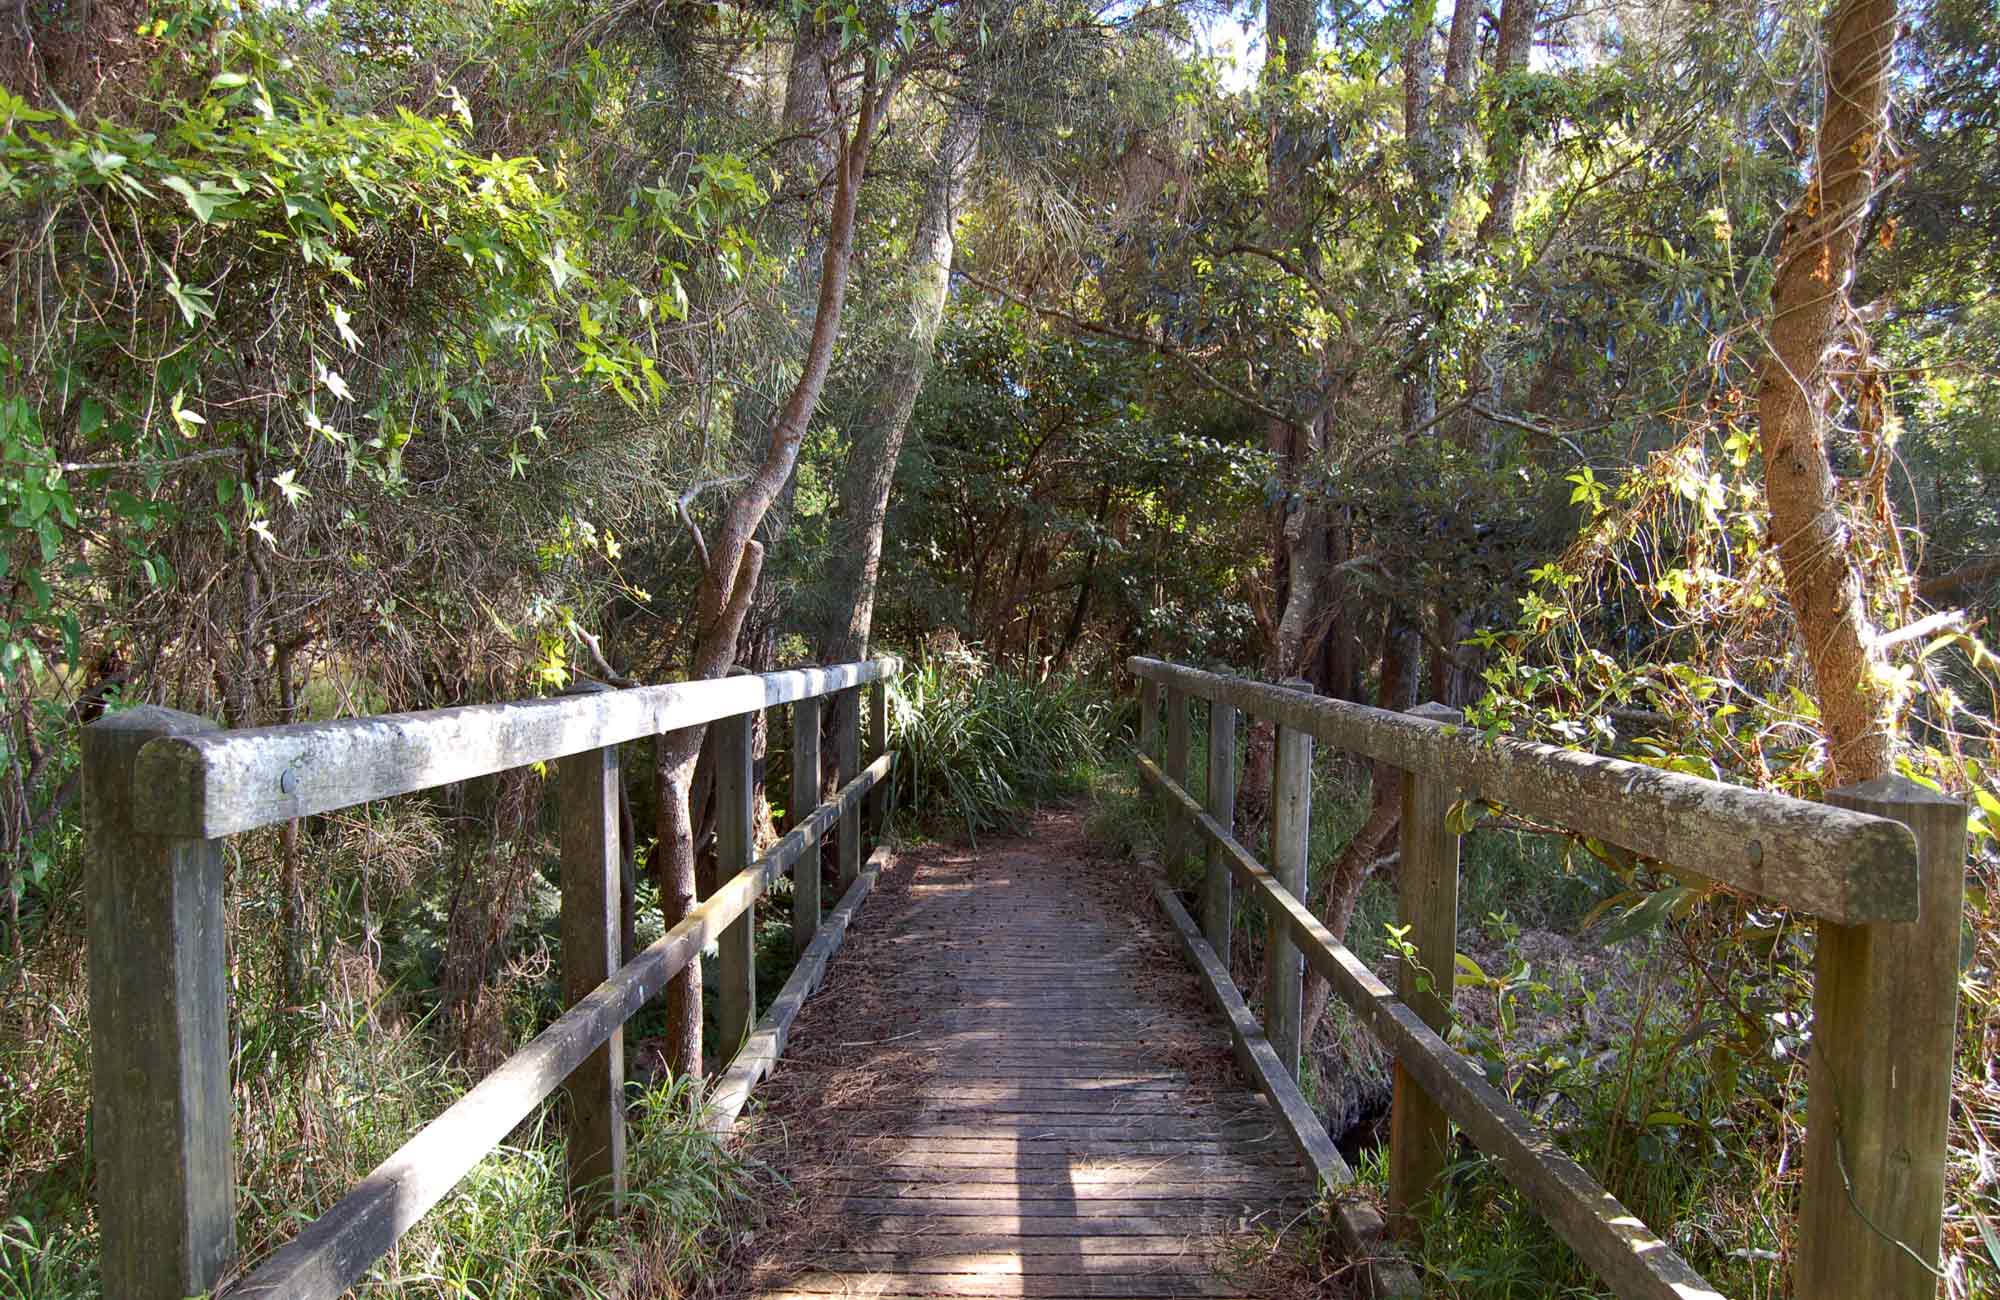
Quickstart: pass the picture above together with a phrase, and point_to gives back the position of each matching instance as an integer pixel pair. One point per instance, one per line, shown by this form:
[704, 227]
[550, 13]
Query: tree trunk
[735, 562]
[1796, 397]
[1504, 154]
[877, 441]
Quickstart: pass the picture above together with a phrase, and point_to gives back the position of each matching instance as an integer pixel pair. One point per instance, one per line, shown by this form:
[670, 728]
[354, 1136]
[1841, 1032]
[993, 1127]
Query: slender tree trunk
[877, 442]
[1342, 887]
[1504, 154]
[1796, 397]
[735, 562]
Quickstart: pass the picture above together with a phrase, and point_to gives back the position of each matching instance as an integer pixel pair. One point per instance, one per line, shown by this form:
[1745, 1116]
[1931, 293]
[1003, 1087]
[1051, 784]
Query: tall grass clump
[980, 743]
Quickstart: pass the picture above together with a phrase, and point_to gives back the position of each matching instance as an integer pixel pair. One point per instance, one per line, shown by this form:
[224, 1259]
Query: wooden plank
[1033, 1252]
[213, 785]
[1185, 1159]
[1140, 1185]
[336, 1248]
[806, 777]
[161, 1114]
[1002, 1263]
[1042, 1225]
[1178, 838]
[1842, 865]
[1291, 835]
[587, 788]
[847, 749]
[1427, 885]
[761, 1052]
[1878, 1087]
[1081, 1286]
[1623, 1250]
[1217, 905]
[735, 846]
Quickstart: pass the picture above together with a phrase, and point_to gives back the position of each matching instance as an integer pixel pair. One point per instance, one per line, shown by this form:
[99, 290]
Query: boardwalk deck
[1011, 1088]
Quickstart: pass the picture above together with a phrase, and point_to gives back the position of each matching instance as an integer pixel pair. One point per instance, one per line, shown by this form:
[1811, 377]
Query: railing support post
[1149, 718]
[1178, 834]
[587, 793]
[1419, 1130]
[847, 738]
[159, 1029]
[1291, 832]
[1878, 1084]
[1216, 902]
[735, 847]
[806, 776]
[878, 744]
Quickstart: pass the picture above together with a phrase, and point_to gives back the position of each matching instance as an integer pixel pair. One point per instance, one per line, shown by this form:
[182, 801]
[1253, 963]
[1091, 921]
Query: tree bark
[1505, 156]
[1796, 396]
[735, 562]
[877, 442]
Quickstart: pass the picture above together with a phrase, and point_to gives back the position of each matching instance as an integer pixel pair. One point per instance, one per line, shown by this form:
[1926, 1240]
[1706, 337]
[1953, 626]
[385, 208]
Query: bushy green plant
[979, 743]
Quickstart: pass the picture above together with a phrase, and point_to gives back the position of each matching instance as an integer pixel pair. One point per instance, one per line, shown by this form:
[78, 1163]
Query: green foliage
[979, 744]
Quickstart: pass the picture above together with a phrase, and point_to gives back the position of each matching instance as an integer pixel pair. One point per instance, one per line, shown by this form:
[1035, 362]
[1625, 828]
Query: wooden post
[1291, 830]
[806, 777]
[1177, 833]
[847, 739]
[878, 744]
[1216, 903]
[1878, 1083]
[735, 847]
[1149, 718]
[159, 1028]
[1419, 1131]
[588, 786]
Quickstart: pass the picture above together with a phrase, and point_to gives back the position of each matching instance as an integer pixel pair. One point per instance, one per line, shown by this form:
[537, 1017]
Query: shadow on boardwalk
[1010, 1087]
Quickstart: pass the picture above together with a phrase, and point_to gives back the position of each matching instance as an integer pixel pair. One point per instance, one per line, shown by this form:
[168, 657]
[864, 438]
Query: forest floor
[1010, 1086]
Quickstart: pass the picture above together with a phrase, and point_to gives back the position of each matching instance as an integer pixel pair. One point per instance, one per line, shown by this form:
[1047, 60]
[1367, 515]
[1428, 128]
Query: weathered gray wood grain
[587, 788]
[209, 786]
[161, 1114]
[1177, 837]
[1427, 888]
[1878, 1087]
[1839, 864]
[1291, 835]
[806, 778]
[735, 846]
[1217, 904]
[847, 746]
[336, 1248]
[1626, 1253]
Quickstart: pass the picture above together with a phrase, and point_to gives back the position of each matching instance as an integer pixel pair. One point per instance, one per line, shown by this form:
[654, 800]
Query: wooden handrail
[1884, 869]
[1838, 864]
[162, 789]
[230, 781]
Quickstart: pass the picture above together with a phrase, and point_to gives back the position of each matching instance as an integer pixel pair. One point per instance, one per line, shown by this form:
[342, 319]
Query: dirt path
[1009, 1086]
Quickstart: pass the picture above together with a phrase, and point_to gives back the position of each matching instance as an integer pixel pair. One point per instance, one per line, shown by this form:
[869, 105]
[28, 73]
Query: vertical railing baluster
[806, 777]
[1427, 888]
[1216, 899]
[1177, 833]
[847, 739]
[878, 745]
[161, 1115]
[1291, 832]
[735, 847]
[587, 794]
[1878, 1083]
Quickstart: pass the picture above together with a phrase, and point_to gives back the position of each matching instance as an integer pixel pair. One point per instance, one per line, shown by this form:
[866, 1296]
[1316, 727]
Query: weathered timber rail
[163, 790]
[1880, 866]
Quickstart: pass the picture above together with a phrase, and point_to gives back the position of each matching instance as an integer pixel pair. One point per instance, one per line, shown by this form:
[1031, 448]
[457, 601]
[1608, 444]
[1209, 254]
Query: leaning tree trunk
[735, 562]
[1796, 397]
[877, 441]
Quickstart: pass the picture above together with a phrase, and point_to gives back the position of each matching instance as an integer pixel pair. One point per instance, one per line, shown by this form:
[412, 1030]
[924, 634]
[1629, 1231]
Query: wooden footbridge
[1012, 1088]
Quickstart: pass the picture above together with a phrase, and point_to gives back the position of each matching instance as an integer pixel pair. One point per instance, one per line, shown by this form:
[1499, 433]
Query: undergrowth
[980, 743]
